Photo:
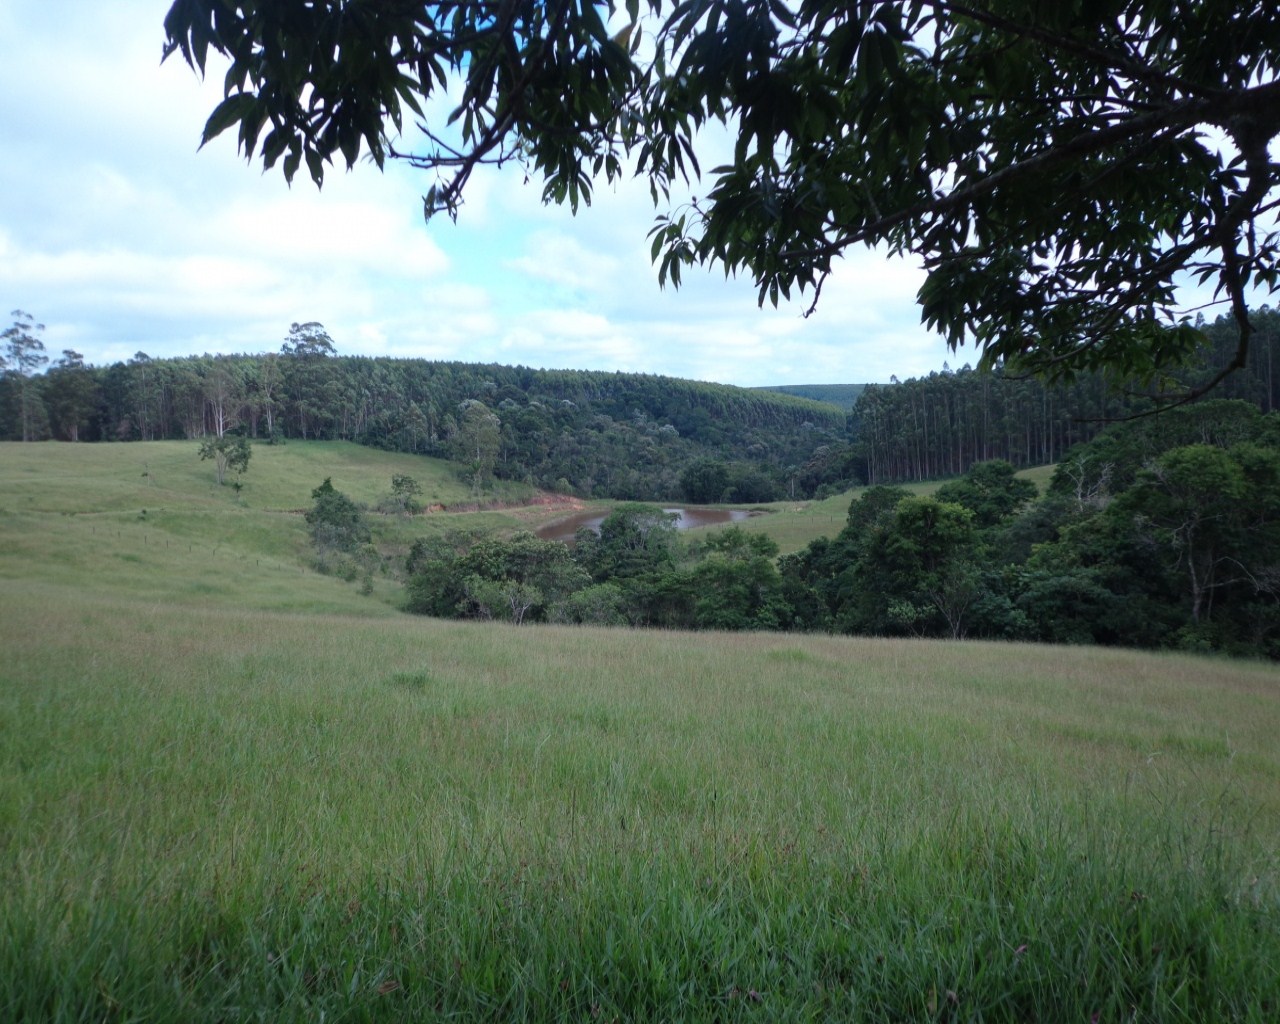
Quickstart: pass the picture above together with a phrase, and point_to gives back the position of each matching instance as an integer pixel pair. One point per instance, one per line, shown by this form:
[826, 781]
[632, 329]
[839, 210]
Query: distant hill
[843, 395]
[592, 434]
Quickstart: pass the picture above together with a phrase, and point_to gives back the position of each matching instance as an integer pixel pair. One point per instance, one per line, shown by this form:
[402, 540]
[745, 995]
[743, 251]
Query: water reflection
[687, 519]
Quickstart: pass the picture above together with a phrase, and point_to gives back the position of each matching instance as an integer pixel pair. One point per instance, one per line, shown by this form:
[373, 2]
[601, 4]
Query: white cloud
[565, 261]
[122, 237]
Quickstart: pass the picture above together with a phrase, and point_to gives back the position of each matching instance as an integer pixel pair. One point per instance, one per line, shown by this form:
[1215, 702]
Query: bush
[335, 520]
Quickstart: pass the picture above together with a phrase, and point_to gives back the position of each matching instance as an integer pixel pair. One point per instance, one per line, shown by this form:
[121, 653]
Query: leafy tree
[737, 585]
[705, 481]
[747, 485]
[308, 341]
[515, 579]
[146, 395]
[223, 392]
[335, 520]
[265, 387]
[415, 426]
[634, 540]
[227, 452]
[600, 604]
[872, 506]
[990, 490]
[310, 378]
[431, 566]
[737, 545]
[71, 394]
[922, 567]
[476, 441]
[23, 356]
[1101, 580]
[1054, 167]
[1217, 512]
[1069, 606]
[825, 584]
[405, 492]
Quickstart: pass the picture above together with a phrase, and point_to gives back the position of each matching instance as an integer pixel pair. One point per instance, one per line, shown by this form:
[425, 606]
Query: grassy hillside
[231, 788]
[169, 474]
[147, 519]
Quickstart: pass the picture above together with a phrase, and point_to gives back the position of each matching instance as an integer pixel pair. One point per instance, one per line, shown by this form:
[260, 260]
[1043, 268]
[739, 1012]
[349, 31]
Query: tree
[308, 346]
[476, 441]
[634, 540]
[518, 578]
[405, 492]
[1056, 168]
[308, 341]
[704, 482]
[223, 391]
[922, 564]
[146, 392]
[335, 520]
[737, 584]
[227, 452]
[71, 394]
[1218, 512]
[266, 384]
[990, 490]
[23, 356]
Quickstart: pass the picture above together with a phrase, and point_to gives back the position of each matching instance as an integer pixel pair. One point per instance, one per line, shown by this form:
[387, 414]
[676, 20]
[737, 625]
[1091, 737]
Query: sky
[122, 236]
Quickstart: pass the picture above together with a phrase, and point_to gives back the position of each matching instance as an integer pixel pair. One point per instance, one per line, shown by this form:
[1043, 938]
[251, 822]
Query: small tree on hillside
[227, 452]
[335, 520]
[405, 491]
[991, 491]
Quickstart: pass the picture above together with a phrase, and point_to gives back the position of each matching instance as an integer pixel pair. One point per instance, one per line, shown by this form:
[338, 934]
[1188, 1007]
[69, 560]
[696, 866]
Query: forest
[592, 434]
[1161, 532]
[630, 437]
[1159, 529]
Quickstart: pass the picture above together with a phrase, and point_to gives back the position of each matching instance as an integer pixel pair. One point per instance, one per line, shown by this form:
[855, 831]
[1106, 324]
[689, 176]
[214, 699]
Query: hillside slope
[843, 395]
[232, 788]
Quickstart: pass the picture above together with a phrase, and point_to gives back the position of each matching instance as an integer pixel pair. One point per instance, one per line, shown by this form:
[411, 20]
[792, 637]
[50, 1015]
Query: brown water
[689, 518]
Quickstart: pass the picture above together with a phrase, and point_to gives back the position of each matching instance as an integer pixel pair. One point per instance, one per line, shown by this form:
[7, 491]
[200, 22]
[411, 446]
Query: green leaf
[225, 114]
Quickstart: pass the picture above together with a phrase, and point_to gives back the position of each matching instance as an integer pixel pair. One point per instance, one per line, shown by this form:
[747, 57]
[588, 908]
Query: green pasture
[148, 519]
[233, 789]
[52, 477]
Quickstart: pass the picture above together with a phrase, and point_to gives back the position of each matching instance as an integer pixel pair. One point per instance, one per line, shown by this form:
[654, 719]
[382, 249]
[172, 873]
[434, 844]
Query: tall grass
[232, 789]
[229, 814]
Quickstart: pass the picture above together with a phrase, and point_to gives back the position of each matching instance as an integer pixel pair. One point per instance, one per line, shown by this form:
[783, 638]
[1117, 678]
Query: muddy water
[564, 529]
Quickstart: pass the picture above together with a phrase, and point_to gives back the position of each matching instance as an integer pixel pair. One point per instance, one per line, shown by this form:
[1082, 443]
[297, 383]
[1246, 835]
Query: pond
[688, 519]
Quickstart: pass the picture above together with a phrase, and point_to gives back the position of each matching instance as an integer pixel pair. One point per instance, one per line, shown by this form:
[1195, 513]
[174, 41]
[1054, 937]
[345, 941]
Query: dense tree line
[1160, 532]
[843, 395]
[940, 425]
[625, 436]
[635, 571]
[591, 433]
[1163, 531]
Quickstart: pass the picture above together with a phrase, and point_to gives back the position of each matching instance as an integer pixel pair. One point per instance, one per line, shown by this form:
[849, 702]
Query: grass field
[233, 789]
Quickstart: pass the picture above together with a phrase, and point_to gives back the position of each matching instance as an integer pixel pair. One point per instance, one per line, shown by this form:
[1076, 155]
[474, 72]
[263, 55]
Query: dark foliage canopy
[1058, 168]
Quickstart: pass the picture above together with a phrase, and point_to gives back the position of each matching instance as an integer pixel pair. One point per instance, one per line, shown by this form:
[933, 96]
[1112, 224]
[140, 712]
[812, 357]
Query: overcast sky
[121, 237]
